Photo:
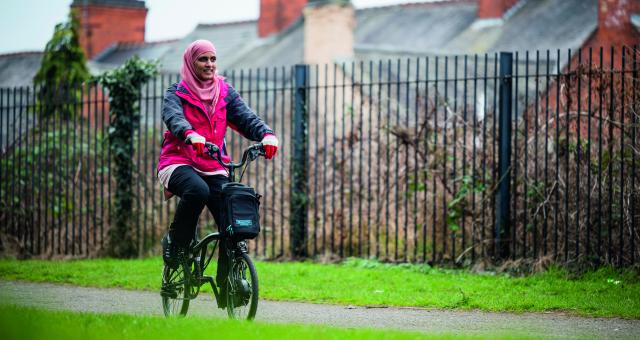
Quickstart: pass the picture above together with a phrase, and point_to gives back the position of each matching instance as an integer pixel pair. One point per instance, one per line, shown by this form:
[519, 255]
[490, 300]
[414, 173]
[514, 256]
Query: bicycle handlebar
[251, 153]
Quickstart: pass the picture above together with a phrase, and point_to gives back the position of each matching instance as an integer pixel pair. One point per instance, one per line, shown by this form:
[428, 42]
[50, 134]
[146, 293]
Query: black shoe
[166, 253]
[172, 254]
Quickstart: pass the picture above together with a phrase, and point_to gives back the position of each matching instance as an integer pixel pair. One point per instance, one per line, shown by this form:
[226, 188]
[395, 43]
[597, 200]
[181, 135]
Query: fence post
[299, 190]
[503, 225]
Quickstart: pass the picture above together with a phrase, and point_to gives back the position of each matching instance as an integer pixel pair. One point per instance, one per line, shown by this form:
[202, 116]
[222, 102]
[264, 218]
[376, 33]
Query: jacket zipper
[204, 110]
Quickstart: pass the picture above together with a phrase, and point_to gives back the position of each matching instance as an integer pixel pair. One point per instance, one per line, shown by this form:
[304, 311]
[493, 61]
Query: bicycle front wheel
[175, 290]
[242, 289]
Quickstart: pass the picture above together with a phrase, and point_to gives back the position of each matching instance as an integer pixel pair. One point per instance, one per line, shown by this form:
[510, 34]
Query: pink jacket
[182, 111]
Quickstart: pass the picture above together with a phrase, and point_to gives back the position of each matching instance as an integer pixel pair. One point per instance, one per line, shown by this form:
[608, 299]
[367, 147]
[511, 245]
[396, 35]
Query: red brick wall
[488, 9]
[276, 15]
[108, 25]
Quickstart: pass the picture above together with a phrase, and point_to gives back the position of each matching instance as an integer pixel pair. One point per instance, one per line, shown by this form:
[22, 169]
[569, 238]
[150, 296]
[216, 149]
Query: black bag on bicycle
[241, 206]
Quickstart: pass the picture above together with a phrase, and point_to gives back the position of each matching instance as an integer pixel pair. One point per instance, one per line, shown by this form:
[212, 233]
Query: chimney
[615, 29]
[614, 22]
[492, 13]
[106, 22]
[494, 9]
[276, 15]
[328, 31]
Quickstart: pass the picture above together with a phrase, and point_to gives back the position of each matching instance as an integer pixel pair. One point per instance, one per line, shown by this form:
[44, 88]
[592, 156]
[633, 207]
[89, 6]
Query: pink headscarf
[208, 90]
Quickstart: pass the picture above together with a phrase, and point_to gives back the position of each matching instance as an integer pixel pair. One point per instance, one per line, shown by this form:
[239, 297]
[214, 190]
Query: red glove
[270, 143]
[196, 140]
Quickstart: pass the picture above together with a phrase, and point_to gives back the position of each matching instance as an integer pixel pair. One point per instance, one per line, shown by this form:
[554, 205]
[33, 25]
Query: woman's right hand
[196, 140]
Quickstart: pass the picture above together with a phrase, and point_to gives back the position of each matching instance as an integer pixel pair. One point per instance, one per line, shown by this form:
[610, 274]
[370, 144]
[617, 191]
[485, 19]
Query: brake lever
[213, 151]
[261, 151]
[254, 154]
[212, 147]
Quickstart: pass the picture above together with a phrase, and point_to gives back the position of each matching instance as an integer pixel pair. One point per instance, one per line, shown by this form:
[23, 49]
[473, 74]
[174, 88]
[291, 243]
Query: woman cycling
[196, 110]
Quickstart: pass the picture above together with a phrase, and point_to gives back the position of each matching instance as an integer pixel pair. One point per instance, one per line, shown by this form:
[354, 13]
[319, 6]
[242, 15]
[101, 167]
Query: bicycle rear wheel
[242, 289]
[176, 290]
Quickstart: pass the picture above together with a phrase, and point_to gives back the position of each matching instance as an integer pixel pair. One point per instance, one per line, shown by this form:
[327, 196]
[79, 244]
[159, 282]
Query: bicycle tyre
[242, 302]
[179, 280]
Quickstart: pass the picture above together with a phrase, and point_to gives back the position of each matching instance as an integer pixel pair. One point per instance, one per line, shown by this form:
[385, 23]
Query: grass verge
[24, 324]
[606, 292]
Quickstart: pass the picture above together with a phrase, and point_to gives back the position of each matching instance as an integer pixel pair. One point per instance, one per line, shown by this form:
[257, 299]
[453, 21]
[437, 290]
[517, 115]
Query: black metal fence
[400, 159]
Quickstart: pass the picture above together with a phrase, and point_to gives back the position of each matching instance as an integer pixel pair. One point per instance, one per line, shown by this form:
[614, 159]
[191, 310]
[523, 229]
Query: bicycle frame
[201, 262]
[199, 250]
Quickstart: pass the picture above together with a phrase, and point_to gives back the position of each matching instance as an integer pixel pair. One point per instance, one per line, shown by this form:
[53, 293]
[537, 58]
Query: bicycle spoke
[176, 291]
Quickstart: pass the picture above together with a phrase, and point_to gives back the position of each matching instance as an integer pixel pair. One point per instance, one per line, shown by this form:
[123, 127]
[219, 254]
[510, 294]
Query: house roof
[117, 3]
[445, 27]
[417, 29]
[535, 25]
[442, 28]
[18, 69]
[119, 53]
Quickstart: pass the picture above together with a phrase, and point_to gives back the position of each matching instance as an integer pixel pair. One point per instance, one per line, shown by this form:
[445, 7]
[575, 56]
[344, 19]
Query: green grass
[605, 292]
[24, 324]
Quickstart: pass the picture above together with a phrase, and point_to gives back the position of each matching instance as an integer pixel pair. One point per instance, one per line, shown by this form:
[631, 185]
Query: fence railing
[399, 159]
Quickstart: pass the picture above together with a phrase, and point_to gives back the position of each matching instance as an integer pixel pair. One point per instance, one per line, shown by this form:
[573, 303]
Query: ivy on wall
[124, 85]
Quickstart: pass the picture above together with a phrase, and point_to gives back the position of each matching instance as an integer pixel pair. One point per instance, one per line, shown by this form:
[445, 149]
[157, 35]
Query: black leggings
[195, 192]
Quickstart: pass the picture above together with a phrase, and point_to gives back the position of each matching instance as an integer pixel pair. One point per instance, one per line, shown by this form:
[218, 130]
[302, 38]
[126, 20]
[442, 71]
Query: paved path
[99, 300]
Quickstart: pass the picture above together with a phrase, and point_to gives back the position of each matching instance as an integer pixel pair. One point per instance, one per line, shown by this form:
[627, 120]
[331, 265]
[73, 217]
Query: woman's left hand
[270, 143]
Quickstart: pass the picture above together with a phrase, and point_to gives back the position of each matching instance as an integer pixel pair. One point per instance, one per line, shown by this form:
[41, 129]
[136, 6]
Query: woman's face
[205, 66]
